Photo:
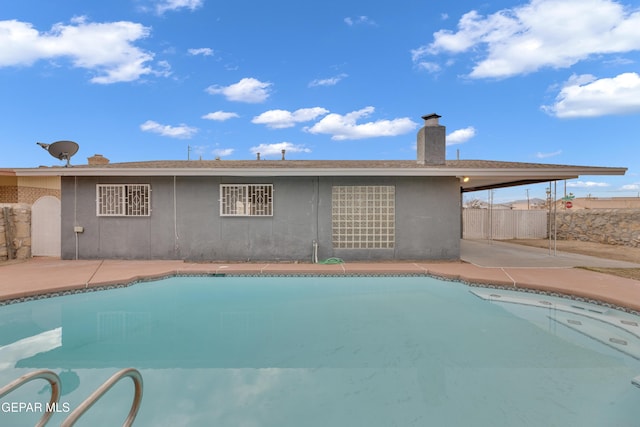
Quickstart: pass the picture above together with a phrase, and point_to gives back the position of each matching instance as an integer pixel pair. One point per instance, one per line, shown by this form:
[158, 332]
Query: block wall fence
[610, 226]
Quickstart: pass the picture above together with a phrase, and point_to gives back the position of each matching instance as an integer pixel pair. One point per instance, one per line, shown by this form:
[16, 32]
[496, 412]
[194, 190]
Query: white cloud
[541, 33]
[204, 51]
[220, 116]
[279, 119]
[276, 149]
[180, 132]
[586, 96]
[359, 20]
[164, 69]
[631, 187]
[162, 6]
[248, 90]
[331, 81]
[541, 155]
[419, 53]
[461, 135]
[432, 67]
[587, 184]
[105, 48]
[345, 127]
[223, 152]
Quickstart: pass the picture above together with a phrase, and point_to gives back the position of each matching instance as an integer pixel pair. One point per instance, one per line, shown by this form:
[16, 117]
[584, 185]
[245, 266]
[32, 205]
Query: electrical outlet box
[78, 229]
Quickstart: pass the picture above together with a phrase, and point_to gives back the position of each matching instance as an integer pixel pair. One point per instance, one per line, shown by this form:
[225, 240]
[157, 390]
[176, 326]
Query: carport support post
[555, 224]
[461, 213]
[553, 209]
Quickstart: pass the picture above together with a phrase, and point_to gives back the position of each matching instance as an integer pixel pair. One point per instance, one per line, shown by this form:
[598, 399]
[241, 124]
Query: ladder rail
[45, 374]
[132, 373]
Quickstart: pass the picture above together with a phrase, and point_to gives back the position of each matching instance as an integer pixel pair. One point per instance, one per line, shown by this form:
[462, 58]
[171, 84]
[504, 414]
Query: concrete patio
[482, 262]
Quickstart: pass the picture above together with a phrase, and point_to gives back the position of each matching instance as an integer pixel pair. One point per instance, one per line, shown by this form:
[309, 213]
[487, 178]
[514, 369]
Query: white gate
[504, 224]
[45, 227]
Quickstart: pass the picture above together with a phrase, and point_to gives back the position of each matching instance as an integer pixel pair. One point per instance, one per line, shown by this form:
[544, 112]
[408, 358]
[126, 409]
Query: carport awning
[488, 183]
[488, 179]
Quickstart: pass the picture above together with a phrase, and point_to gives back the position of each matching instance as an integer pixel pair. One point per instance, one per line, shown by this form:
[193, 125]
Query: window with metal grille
[363, 216]
[123, 199]
[246, 199]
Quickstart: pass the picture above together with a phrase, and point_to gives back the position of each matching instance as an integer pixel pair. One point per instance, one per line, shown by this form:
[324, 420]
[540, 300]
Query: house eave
[558, 173]
[480, 178]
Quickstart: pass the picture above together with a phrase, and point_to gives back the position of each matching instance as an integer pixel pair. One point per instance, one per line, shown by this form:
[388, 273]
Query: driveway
[493, 253]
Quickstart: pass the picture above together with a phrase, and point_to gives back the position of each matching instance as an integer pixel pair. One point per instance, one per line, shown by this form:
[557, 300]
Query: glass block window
[123, 200]
[246, 199]
[363, 216]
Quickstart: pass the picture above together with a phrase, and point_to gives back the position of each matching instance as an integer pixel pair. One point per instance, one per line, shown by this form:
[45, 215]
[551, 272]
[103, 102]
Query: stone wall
[15, 231]
[611, 226]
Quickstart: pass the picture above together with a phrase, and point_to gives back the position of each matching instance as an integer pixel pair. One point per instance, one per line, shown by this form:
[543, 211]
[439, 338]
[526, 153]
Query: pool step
[592, 311]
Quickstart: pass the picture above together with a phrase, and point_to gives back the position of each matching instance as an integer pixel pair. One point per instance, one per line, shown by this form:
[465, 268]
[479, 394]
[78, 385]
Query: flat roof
[482, 174]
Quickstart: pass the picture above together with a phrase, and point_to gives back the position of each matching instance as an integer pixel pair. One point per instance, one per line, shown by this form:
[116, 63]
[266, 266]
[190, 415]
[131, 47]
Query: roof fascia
[549, 172]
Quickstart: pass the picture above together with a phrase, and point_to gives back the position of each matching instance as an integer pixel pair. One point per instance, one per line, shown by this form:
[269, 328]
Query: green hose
[332, 261]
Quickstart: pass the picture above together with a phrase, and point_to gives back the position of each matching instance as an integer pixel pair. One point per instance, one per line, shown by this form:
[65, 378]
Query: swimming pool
[327, 351]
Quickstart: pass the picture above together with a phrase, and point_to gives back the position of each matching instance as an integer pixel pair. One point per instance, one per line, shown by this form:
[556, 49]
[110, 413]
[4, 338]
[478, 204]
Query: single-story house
[282, 209]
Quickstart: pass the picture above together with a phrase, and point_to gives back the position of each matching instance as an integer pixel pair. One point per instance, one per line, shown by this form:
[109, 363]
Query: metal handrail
[132, 373]
[44, 374]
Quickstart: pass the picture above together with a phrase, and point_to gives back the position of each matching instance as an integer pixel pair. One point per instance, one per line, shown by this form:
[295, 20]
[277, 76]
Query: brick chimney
[431, 141]
[97, 159]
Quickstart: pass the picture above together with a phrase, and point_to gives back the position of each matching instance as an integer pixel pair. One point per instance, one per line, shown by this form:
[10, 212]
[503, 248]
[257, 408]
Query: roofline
[552, 173]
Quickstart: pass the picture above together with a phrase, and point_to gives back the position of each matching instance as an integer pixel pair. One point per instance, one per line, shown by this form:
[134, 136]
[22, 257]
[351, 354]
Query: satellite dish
[62, 150]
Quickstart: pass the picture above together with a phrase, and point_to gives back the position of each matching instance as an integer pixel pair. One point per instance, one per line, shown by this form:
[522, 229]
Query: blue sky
[549, 81]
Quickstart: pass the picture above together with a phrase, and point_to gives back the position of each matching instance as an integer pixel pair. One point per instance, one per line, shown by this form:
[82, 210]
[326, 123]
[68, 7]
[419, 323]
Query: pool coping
[50, 277]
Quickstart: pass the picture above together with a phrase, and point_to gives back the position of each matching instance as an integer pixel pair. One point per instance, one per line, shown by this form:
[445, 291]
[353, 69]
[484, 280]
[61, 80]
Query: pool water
[327, 351]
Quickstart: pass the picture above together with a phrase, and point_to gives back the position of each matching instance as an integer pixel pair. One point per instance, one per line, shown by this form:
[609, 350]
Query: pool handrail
[132, 373]
[54, 381]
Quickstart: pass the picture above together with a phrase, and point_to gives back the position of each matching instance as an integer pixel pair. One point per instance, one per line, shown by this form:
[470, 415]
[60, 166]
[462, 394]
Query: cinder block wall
[31, 194]
[8, 194]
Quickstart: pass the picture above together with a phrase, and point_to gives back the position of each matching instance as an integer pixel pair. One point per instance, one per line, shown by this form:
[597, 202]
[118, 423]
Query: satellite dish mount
[61, 150]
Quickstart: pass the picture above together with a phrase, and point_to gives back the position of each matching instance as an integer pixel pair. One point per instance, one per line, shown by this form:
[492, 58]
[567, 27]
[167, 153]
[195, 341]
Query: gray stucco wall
[427, 221]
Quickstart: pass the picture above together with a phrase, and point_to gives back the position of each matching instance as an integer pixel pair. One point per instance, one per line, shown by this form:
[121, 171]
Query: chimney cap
[431, 116]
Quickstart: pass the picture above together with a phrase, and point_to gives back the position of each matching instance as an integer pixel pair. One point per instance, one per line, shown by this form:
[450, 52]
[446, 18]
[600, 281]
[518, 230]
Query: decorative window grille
[363, 216]
[123, 200]
[246, 199]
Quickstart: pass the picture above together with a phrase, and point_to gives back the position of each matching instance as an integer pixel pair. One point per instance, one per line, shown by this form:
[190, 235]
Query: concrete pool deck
[496, 263]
